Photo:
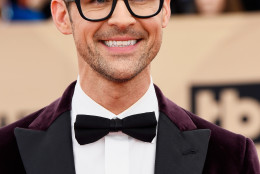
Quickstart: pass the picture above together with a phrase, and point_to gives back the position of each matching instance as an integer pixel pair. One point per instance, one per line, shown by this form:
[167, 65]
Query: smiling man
[113, 120]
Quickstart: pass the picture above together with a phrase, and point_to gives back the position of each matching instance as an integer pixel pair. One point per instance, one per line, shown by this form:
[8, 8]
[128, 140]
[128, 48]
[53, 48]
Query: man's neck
[115, 97]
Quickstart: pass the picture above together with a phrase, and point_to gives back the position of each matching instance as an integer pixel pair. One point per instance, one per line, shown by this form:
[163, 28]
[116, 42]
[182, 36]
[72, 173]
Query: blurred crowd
[23, 10]
[17, 10]
[213, 7]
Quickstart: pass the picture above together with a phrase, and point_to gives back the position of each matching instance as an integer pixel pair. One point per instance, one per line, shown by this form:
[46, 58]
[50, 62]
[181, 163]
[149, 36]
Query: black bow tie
[89, 129]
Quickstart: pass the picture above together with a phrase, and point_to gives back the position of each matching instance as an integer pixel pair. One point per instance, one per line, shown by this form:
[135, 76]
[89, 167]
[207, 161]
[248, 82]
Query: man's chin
[122, 78]
[119, 79]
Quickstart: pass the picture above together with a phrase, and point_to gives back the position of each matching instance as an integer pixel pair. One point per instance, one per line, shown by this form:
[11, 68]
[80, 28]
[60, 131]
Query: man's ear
[166, 13]
[61, 16]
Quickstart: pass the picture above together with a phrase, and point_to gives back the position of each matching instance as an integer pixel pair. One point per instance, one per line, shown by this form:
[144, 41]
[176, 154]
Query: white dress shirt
[116, 153]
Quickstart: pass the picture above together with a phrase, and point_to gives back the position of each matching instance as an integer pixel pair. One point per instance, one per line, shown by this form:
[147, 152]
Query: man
[113, 119]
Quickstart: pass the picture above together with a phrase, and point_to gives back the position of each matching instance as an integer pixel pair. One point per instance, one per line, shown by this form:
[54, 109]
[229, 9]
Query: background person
[182, 7]
[214, 7]
[1, 8]
[27, 10]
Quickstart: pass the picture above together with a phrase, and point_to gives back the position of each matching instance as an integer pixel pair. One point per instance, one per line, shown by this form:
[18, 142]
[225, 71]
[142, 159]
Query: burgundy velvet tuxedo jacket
[186, 144]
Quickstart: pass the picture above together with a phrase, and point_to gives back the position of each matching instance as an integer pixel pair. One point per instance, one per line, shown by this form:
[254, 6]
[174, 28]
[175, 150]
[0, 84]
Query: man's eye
[100, 1]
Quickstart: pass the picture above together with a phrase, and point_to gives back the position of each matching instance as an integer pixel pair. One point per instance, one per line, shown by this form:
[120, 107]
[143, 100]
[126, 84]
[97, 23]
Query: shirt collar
[83, 104]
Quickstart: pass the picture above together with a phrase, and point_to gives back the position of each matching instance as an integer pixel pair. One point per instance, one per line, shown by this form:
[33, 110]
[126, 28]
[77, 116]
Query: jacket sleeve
[251, 161]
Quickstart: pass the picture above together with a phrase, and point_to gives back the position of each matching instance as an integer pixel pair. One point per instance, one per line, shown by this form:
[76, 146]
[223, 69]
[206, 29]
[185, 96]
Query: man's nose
[121, 17]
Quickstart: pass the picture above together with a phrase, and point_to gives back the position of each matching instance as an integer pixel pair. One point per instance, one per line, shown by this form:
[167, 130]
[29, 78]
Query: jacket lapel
[46, 147]
[180, 152]
[47, 151]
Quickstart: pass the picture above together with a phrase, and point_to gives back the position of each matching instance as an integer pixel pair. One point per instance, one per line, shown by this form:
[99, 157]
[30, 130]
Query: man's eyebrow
[69, 0]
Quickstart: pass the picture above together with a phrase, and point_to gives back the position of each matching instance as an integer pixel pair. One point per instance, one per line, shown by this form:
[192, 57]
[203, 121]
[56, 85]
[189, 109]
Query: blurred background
[31, 10]
[208, 64]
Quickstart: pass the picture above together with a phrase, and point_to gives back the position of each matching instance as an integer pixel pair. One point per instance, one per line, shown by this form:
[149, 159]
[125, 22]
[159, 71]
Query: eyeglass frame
[112, 10]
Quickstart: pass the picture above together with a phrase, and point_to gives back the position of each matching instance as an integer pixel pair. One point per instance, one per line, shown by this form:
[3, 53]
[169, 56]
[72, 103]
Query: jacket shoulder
[10, 160]
[6, 132]
[234, 151]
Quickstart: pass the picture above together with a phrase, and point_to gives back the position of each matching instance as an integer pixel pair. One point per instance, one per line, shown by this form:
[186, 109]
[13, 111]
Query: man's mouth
[113, 43]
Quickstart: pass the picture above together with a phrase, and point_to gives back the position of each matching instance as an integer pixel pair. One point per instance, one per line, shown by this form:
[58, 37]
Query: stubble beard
[94, 58]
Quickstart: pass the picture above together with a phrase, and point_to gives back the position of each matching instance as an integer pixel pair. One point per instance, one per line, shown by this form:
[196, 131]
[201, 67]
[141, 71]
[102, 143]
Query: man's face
[120, 47]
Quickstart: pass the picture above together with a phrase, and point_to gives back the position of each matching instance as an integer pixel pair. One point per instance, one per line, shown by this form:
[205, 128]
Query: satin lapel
[180, 152]
[50, 151]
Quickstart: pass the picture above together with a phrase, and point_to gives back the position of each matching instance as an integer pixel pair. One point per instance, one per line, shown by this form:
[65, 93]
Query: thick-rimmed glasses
[98, 10]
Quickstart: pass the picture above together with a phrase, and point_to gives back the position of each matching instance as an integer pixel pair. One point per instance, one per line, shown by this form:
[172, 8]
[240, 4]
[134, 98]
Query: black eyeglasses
[98, 10]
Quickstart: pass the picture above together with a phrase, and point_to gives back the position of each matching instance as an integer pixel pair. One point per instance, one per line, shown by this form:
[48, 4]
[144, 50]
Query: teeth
[120, 43]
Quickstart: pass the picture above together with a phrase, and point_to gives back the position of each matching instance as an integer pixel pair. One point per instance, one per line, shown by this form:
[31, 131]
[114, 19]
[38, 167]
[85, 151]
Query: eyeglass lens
[97, 9]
